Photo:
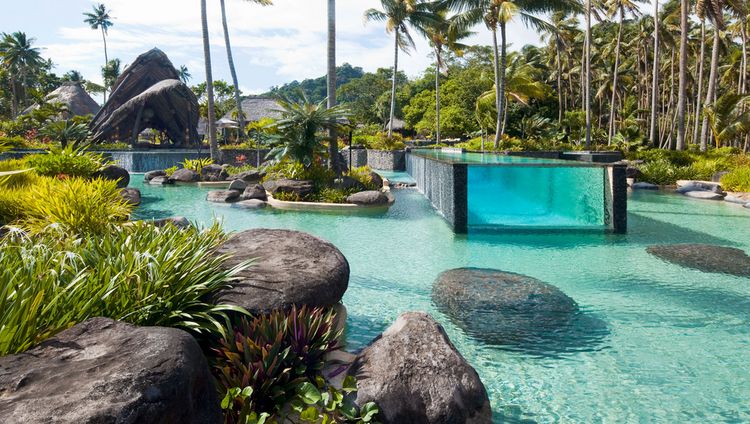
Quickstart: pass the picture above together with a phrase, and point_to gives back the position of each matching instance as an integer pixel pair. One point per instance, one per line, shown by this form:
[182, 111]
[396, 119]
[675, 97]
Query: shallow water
[669, 344]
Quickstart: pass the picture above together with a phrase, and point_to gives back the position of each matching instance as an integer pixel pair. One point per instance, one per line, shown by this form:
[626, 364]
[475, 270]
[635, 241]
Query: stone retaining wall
[386, 160]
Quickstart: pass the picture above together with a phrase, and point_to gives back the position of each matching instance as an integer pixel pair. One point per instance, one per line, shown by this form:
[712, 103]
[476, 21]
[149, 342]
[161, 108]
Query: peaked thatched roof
[257, 108]
[73, 96]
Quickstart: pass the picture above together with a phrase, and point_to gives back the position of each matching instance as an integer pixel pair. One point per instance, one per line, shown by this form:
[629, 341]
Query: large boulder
[214, 172]
[300, 188]
[238, 185]
[348, 183]
[114, 173]
[132, 196]
[255, 192]
[513, 310]
[150, 175]
[705, 257]
[290, 268]
[252, 176]
[105, 371]
[223, 196]
[177, 221]
[415, 375]
[162, 180]
[185, 175]
[688, 186]
[368, 198]
[377, 180]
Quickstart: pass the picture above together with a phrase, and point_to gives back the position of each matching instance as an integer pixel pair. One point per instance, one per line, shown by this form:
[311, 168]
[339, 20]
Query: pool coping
[572, 163]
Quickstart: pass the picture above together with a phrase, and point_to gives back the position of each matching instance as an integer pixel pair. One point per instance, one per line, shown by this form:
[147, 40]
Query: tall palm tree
[653, 133]
[622, 7]
[110, 73]
[99, 19]
[211, 118]
[443, 34]
[560, 41]
[184, 74]
[333, 142]
[496, 14]
[713, 11]
[20, 60]
[232, 70]
[682, 89]
[587, 88]
[398, 15]
[701, 57]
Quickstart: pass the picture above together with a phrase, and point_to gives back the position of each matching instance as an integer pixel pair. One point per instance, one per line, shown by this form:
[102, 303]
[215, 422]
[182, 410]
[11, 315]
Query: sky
[272, 45]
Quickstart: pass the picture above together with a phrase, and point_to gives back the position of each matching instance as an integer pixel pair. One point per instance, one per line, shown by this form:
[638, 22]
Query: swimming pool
[675, 346]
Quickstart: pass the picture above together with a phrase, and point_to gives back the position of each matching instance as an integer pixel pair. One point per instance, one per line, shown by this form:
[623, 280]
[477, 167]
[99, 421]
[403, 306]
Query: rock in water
[223, 196]
[150, 175]
[132, 196]
[104, 371]
[705, 257]
[514, 310]
[368, 198]
[114, 173]
[291, 268]
[704, 195]
[238, 185]
[250, 177]
[214, 172]
[255, 192]
[251, 204]
[644, 186]
[300, 188]
[161, 180]
[186, 175]
[415, 375]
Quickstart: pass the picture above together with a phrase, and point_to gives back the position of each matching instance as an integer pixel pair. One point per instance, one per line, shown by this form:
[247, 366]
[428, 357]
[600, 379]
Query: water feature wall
[525, 195]
[135, 161]
[445, 185]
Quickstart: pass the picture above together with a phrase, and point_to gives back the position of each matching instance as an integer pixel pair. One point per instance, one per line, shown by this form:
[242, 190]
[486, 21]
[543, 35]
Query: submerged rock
[290, 268]
[368, 198]
[114, 173]
[644, 186]
[415, 375]
[251, 204]
[705, 257]
[223, 196]
[132, 196]
[186, 175]
[104, 371]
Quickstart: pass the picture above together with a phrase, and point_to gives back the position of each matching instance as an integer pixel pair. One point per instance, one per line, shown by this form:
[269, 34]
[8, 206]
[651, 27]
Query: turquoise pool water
[673, 344]
[488, 158]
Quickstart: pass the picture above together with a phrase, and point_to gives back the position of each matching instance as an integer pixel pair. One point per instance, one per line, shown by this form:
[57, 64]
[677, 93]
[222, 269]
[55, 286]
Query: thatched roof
[165, 106]
[148, 94]
[73, 96]
[257, 108]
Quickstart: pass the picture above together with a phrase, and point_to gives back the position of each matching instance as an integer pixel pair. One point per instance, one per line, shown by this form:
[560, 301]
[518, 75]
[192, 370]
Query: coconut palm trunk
[106, 59]
[333, 148]
[393, 85]
[233, 72]
[209, 85]
[614, 78]
[587, 89]
[682, 94]
[498, 93]
[560, 103]
[437, 96]
[701, 59]
[710, 92]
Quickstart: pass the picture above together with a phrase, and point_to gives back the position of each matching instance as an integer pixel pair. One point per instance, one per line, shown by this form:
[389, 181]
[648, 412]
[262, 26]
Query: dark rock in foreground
[114, 173]
[177, 221]
[514, 310]
[415, 375]
[301, 188]
[255, 192]
[291, 268]
[132, 196]
[705, 257]
[104, 371]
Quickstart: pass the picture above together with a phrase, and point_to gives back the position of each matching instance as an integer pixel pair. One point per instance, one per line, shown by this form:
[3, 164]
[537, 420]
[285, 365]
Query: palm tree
[711, 9]
[184, 74]
[587, 88]
[442, 34]
[99, 19]
[729, 117]
[110, 73]
[232, 70]
[211, 118]
[333, 148]
[496, 14]
[561, 38]
[682, 90]
[653, 133]
[398, 15]
[20, 60]
[622, 7]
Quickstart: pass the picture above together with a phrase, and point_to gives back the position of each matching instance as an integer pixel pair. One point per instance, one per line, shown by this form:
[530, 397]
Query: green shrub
[381, 141]
[232, 170]
[138, 273]
[170, 171]
[363, 174]
[11, 206]
[737, 179]
[272, 354]
[197, 165]
[68, 161]
[16, 180]
[332, 195]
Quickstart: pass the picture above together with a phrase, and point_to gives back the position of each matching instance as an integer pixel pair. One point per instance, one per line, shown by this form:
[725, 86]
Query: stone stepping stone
[290, 268]
[705, 257]
[105, 371]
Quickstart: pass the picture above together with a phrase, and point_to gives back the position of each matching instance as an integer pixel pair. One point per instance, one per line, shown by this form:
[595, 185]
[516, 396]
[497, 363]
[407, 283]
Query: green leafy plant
[317, 401]
[15, 173]
[273, 353]
[381, 141]
[170, 171]
[363, 174]
[66, 132]
[137, 273]
[237, 169]
[197, 165]
[332, 195]
[737, 179]
[68, 161]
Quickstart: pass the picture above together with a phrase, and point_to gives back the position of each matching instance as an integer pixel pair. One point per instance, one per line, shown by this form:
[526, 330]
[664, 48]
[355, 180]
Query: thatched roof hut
[73, 96]
[257, 108]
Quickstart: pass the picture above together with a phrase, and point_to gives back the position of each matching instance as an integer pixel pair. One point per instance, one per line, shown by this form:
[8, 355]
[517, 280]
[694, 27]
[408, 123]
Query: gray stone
[255, 192]
[104, 371]
[733, 198]
[644, 186]
[704, 195]
[148, 176]
[368, 198]
[705, 257]
[238, 185]
[377, 180]
[223, 196]
[291, 268]
[177, 221]
[250, 177]
[503, 307]
[114, 173]
[162, 180]
[186, 175]
[699, 186]
[301, 188]
[348, 183]
[214, 172]
[251, 204]
[415, 375]
[132, 196]
[747, 205]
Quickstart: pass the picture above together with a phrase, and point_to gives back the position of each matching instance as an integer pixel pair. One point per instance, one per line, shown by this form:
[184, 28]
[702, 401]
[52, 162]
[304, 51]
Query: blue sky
[272, 45]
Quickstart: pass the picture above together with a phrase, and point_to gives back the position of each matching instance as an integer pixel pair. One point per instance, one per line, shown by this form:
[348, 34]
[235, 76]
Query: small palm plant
[66, 131]
[301, 129]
